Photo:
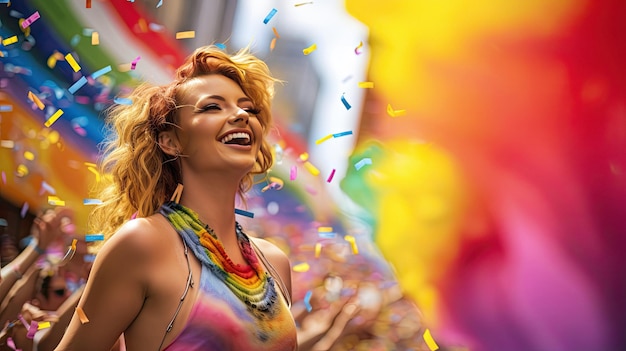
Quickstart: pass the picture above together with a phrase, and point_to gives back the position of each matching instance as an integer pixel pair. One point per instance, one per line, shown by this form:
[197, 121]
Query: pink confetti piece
[293, 173]
[330, 177]
[4, 178]
[24, 210]
[133, 64]
[30, 20]
[34, 325]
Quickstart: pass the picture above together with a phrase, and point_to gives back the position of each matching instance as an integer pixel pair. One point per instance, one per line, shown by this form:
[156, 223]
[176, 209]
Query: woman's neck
[214, 202]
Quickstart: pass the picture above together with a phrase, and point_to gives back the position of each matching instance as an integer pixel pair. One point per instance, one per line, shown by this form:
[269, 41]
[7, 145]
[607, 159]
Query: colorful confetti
[301, 267]
[303, 3]
[366, 85]
[122, 101]
[81, 315]
[432, 345]
[77, 85]
[338, 135]
[307, 300]
[32, 97]
[186, 34]
[330, 177]
[356, 50]
[244, 213]
[70, 59]
[293, 173]
[101, 71]
[310, 49]
[94, 237]
[55, 201]
[394, 113]
[312, 169]
[88, 202]
[269, 16]
[95, 38]
[345, 102]
[53, 118]
[10, 40]
[27, 22]
[363, 162]
[323, 139]
[133, 64]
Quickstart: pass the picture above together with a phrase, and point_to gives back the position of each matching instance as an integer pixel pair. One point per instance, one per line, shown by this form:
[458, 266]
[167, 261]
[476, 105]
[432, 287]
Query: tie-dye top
[237, 308]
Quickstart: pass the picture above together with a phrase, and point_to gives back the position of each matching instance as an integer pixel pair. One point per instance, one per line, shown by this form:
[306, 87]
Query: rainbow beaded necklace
[251, 284]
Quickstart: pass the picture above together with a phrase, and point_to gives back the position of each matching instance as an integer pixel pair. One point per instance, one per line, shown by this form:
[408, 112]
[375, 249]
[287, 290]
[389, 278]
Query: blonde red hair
[139, 176]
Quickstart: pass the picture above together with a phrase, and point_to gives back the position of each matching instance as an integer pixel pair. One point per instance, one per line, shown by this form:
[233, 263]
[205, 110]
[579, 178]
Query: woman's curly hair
[138, 176]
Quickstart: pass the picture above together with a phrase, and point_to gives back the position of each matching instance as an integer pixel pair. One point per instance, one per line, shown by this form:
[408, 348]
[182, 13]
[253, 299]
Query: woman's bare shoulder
[139, 238]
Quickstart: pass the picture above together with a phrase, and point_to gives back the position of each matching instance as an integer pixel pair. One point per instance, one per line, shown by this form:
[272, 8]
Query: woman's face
[219, 128]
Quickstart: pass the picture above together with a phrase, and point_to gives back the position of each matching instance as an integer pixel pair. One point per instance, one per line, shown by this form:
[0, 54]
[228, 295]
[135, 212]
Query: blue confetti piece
[363, 162]
[307, 300]
[269, 16]
[101, 71]
[221, 46]
[160, 3]
[4, 1]
[75, 40]
[89, 258]
[79, 84]
[92, 202]
[244, 213]
[345, 102]
[94, 237]
[327, 235]
[337, 135]
[6, 108]
[123, 101]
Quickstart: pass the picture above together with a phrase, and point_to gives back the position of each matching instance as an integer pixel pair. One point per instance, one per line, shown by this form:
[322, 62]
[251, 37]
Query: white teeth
[239, 135]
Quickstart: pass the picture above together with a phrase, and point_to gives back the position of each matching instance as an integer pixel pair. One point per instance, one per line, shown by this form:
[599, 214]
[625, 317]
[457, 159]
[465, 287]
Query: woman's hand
[49, 227]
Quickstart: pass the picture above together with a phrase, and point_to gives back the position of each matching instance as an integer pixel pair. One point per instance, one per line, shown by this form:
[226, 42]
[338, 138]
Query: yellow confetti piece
[303, 3]
[53, 137]
[55, 201]
[310, 49]
[70, 59]
[318, 250]
[394, 113]
[9, 40]
[312, 169]
[53, 118]
[95, 38]
[432, 345]
[22, 171]
[90, 164]
[352, 241]
[43, 325]
[74, 241]
[325, 229]
[32, 97]
[366, 85]
[304, 156]
[323, 139]
[301, 267]
[94, 171]
[81, 315]
[186, 35]
[29, 155]
[272, 44]
[52, 61]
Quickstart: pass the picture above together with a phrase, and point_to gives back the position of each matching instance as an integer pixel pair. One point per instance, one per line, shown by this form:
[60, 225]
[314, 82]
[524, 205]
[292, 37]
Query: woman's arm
[48, 339]
[114, 293]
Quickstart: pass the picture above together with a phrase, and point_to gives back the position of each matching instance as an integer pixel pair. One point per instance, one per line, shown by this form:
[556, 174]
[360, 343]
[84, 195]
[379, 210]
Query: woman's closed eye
[208, 108]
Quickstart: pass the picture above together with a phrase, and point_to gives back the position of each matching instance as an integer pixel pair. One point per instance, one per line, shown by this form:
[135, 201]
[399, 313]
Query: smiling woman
[164, 279]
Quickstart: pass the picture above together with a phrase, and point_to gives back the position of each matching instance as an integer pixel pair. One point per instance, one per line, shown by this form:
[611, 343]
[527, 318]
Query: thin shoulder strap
[273, 273]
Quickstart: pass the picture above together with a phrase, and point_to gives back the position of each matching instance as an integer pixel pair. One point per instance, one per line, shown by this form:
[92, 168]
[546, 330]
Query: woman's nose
[240, 115]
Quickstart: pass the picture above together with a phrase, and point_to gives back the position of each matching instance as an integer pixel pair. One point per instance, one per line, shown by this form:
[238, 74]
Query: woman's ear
[168, 143]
